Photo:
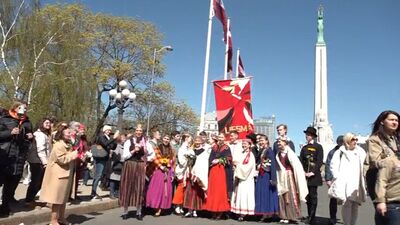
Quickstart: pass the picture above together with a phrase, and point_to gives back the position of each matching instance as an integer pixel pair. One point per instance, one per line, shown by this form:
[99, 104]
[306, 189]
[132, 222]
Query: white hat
[106, 127]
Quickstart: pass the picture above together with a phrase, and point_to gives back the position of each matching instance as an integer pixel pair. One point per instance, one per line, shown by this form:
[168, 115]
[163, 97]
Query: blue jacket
[328, 173]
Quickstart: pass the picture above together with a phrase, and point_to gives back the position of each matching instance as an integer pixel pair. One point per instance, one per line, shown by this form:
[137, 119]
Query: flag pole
[237, 62]
[206, 64]
[228, 23]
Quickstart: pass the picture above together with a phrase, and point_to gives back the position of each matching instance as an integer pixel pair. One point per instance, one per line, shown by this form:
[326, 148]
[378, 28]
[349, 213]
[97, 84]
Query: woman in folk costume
[59, 177]
[348, 177]
[133, 175]
[243, 202]
[180, 169]
[266, 191]
[220, 179]
[159, 194]
[196, 178]
[291, 183]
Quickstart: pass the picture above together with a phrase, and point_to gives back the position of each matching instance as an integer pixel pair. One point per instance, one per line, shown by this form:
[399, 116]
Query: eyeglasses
[354, 139]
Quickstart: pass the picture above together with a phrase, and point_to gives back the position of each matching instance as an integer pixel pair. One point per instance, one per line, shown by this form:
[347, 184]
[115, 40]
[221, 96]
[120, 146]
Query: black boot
[4, 211]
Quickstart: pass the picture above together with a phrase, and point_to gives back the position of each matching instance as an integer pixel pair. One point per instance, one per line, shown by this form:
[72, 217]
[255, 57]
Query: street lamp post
[167, 48]
[121, 95]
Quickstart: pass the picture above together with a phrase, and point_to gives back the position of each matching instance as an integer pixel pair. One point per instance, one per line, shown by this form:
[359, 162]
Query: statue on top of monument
[320, 27]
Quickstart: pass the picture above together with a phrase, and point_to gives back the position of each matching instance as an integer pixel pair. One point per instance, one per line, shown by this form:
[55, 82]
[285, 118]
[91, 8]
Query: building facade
[210, 123]
[265, 125]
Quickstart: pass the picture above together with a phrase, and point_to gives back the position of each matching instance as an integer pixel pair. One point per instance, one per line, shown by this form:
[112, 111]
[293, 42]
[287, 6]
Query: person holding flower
[266, 191]
[180, 170]
[311, 156]
[159, 193]
[220, 179]
[196, 178]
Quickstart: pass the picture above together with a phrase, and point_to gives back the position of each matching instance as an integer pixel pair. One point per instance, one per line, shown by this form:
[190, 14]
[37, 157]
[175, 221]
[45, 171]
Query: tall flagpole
[237, 62]
[227, 49]
[205, 81]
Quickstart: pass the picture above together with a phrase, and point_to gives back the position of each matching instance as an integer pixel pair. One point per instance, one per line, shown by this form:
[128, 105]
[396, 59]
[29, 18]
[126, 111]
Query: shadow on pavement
[78, 219]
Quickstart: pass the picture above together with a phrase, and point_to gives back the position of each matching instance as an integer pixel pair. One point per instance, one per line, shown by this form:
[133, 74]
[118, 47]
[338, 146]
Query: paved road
[113, 216]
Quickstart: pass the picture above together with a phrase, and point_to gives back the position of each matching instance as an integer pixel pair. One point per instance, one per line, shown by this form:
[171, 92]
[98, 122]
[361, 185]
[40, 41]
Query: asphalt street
[113, 216]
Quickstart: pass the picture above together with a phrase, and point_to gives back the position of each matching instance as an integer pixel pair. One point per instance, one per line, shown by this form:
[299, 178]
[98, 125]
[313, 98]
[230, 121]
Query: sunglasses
[354, 139]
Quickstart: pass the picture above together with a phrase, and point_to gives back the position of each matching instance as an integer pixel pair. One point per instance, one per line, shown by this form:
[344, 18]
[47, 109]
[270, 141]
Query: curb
[43, 215]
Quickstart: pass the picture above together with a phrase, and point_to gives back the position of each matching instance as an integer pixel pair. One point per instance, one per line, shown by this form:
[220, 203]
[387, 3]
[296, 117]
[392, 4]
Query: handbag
[334, 192]
[98, 151]
[335, 188]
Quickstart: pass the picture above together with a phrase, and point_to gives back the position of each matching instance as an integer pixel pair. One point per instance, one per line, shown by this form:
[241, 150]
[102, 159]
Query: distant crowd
[192, 174]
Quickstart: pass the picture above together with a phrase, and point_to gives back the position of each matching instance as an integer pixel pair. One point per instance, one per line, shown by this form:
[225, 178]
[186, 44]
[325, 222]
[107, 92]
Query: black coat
[107, 144]
[13, 148]
[311, 157]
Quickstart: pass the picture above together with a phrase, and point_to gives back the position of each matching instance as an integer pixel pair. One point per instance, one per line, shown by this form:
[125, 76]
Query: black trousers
[10, 184]
[37, 173]
[312, 201]
[332, 208]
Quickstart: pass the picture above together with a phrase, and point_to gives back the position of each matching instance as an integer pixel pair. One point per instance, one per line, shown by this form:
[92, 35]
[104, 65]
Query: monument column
[321, 123]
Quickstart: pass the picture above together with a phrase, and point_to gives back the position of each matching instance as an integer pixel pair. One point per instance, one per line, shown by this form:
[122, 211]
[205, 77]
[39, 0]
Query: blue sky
[277, 42]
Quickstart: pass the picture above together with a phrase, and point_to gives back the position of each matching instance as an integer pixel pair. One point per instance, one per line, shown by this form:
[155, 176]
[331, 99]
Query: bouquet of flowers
[266, 164]
[191, 160]
[310, 163]
[164, 162]
[223, 160]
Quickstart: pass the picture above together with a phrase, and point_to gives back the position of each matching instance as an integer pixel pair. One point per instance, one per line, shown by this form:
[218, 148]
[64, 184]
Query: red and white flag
[241, 72]
[220, 13]
[230, 51]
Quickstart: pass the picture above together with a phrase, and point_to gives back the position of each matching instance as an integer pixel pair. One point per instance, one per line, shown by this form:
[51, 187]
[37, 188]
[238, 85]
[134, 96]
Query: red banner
[233, 105]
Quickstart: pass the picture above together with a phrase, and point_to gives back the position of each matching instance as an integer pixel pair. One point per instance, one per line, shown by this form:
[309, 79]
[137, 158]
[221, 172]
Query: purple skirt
[159, 193]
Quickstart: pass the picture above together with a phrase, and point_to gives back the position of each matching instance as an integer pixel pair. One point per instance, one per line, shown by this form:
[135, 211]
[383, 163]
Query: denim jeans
[114, 187]
[392, 216]
[99, 168]
[86, 176]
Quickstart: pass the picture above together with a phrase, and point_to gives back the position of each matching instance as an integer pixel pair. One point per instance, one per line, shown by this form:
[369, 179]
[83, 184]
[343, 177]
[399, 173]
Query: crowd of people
[188, 174]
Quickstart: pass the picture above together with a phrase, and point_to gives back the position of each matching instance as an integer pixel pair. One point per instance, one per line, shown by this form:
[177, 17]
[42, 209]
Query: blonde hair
[347, 139]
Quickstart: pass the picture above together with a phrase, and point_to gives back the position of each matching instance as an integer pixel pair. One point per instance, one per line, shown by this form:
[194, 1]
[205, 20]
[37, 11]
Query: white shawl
[200, 169]
[182, 160]
[299, 175]
[244, 170]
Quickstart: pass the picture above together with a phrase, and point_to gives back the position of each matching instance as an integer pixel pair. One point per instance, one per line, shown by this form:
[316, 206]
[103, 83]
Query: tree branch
[5, 35]
[35, 62]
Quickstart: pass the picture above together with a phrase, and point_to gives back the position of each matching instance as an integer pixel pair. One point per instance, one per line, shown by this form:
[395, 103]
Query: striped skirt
[289, 204]
[194, 196]
[133, 177]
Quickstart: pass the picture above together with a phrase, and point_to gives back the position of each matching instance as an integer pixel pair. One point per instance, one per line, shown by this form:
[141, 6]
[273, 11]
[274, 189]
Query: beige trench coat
[58, 177]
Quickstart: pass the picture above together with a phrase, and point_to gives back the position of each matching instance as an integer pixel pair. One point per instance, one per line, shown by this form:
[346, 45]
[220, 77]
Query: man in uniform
[311, 156]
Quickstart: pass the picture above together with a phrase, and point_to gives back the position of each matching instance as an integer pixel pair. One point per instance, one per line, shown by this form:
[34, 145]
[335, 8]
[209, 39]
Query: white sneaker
[26, 181]
[194, 214]
[178, 210]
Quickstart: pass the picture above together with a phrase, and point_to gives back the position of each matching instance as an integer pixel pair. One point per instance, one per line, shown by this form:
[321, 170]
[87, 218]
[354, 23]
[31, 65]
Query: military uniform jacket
[311, 157]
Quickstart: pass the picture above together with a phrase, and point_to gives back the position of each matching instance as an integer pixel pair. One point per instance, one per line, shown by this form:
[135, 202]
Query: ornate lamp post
[122, 97]
[167, 48]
